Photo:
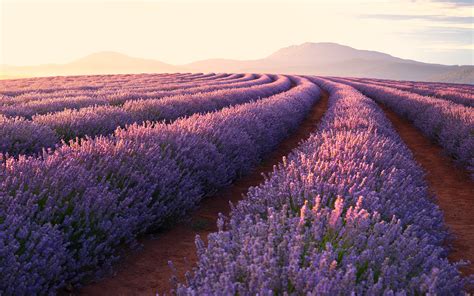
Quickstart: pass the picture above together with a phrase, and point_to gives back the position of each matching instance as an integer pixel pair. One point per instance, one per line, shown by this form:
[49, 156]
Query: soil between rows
[147, 272]
[450, 183]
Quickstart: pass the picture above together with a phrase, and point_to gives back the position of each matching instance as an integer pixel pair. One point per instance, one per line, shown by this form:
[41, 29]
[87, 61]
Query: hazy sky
[178, 31]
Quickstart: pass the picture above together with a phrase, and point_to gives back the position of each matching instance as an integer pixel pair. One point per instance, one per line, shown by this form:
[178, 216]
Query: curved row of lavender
[459, 95]
[433, 85]
[15, 92]
[107, 85]
[34, 104]
[347, 213]
[448, 123]
[29, 88]
[123, 96]
[16, 87]
[103, 120]
[112, 85]
[91, 121]
[21, 136]
[63, 216]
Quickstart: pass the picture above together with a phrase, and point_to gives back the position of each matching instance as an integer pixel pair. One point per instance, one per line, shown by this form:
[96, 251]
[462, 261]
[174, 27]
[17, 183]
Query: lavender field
[92, 165]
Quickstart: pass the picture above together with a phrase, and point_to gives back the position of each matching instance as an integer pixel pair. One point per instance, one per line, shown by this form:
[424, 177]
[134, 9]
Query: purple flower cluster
[42, 101]
[21, 136]
[102, 120]
[91, 121]
[346, 213]
[52, 85]
[448, 123]
[461, 94]
[147, 92]
[49, 105]
[170, 108]
[63, 215]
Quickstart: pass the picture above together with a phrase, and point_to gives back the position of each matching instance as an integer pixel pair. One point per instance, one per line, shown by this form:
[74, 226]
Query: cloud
[442, 44]
[460, 36]
[434, 18]
[457, 2]
[442, 38]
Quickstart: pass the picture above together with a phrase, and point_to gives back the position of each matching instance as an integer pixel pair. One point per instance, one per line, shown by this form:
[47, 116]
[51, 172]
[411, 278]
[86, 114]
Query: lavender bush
[348, 212]
[50, 105]
[51, 85]
[177, 106]
[20, 136]
[103, 120]
[143, 93]
[40, 102]
[461, 94]
[75, 206]
[449, 124]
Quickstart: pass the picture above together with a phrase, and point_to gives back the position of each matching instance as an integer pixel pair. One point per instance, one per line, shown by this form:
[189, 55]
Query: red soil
[451, 184]
[147, 272]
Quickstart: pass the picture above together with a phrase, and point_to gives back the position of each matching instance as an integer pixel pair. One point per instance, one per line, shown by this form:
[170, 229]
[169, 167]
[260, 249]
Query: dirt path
[450, 183]
[146, 272]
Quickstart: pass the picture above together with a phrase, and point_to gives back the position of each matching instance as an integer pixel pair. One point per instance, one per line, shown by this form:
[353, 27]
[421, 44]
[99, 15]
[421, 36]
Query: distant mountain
[333, 59]
[97, 63]
[328, 52]
[330, 59]
[460, 74]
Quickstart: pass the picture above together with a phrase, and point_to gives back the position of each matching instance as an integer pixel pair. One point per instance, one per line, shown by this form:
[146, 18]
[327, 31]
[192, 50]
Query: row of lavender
[463, 95]
[34, 103]
[19, 91]
[448, 123]
[38, 85]
[20, 136]
[112, 86]
[117, 87]
[28, 102]
[63, 216]
[347, 213]
[433, 85]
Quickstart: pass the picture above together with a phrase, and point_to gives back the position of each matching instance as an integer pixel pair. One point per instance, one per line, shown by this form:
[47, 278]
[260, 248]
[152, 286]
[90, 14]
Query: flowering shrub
[448, 123]
[68, 211]
[20, 136]
[116, 92]
[457, 93]
[103, 119]
[347, 212]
